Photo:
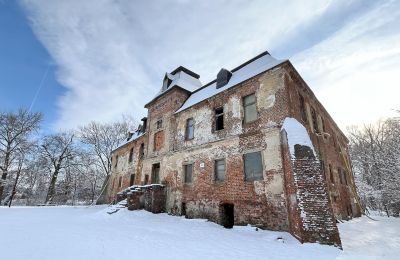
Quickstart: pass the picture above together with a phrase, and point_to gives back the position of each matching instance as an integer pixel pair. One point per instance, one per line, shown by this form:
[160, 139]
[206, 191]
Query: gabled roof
[247, 70]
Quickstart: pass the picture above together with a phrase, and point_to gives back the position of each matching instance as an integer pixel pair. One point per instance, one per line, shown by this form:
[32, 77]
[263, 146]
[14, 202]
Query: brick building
[254, 146]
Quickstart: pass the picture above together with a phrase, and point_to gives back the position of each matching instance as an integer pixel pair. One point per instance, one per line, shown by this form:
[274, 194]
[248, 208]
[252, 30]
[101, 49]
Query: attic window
[167, 82]
[223, 77]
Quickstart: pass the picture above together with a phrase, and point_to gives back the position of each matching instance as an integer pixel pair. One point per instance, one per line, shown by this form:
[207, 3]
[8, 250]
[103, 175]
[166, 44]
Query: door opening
[227, 215]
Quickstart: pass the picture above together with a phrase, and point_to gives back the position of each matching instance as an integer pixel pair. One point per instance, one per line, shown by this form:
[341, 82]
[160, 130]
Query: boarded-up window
[158, 140]
[155, 176]
[250, 109]
[219, 118]
[189, 129]
[131, 155]
[188, 173]
[132, 180]
[253, 167]
[219, 169]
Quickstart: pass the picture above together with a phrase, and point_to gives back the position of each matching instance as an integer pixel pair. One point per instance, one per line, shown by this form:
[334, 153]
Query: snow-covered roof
[181, 77]
[296, 134]
[259, 64]
[135, 135]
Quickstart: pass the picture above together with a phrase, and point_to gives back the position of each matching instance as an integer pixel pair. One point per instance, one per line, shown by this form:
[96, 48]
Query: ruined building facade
[254, 146]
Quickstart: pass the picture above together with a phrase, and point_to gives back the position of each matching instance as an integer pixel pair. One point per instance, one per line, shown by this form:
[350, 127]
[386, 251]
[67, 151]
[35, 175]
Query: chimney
[223, 77]
[144, 120]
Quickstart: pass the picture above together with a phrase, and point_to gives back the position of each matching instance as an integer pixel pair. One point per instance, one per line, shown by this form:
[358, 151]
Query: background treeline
[375, 153]
[66, 168]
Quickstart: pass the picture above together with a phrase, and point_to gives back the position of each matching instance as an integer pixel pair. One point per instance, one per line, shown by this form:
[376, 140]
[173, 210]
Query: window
[314, 120]
[331, 174]
[141, 150]
[116, 161]
[131, 155]
[302, 109]
[219, 118]
[323, 125]
[132, 180]
[189, 129]
[250, 109]
[159, 124]
[146, 179]
[345, 177]
[120, 181]
[219, 170]
[155, 175]
[188, 173]
[253, 168]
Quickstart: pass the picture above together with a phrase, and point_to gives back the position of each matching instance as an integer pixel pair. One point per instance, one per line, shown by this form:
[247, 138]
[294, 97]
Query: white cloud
[355, 72]
[112, 55]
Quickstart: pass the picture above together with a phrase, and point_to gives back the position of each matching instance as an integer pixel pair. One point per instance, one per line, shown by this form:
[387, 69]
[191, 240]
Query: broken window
[219, 169]
[302, 108]
[188, 173]
[314, 120]
[159, 124]
[132, 180]
[120, 181]
[253, 167]
[189, 129]
[155, 175]
[250, 109]
[219, 118]
[141, 150]
[131, 155]
[331, 174]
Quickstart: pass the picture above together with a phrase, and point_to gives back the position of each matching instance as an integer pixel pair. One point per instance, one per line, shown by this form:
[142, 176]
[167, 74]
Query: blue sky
[98, 59]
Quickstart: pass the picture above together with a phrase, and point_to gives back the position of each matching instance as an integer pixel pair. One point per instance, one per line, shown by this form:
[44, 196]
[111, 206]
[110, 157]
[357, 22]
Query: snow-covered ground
[91, 233]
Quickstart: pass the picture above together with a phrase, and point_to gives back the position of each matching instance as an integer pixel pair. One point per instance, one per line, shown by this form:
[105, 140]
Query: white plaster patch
[259, 188]
[270, 102]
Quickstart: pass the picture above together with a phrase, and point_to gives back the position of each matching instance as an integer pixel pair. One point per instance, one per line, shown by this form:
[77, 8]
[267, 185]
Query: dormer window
[223, 77]
[167, 82]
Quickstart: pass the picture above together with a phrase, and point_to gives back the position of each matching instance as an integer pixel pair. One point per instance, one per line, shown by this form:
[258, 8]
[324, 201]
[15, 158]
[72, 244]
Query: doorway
[227, 215]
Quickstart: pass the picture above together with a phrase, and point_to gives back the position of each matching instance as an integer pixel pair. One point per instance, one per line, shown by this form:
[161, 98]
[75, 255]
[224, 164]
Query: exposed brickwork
[282, 199]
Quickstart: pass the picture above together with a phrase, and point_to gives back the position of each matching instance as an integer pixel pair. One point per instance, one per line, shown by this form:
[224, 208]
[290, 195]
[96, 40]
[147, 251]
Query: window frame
[246, 179]
[216, 168]
[187, 137]
[159, 124]
[185, 166]
[245, 121]
[130, 159]
[218, 116]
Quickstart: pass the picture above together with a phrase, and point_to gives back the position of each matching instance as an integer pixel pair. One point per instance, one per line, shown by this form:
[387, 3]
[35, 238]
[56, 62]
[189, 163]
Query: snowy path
[90, 233]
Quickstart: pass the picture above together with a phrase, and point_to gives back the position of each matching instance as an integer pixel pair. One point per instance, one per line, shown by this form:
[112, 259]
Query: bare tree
[15, 129]
[102, 139]
[57, 150]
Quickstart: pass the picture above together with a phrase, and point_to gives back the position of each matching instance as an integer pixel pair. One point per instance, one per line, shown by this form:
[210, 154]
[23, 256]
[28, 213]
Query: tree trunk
[50, 192]
[14, 190]
[4, 174]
